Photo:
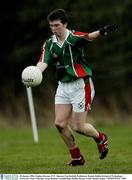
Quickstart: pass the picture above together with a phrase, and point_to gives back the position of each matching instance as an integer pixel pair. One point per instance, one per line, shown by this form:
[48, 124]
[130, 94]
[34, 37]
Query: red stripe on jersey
[87, 96]
[81, 34]
[42, 54]
[79, 70]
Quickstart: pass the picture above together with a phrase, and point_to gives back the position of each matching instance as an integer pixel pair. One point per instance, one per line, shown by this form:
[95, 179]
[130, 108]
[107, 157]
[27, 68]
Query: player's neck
[62, 37]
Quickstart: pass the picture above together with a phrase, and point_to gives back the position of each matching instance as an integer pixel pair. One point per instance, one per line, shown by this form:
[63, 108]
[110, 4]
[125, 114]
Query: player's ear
[65, 24]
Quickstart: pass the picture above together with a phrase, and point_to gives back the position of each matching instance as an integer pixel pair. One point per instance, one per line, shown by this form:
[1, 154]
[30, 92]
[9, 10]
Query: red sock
[75, 153]
[100, 138]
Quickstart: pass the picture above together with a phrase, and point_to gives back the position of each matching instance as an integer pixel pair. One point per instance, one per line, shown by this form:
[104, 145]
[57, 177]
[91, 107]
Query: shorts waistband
[86, 80]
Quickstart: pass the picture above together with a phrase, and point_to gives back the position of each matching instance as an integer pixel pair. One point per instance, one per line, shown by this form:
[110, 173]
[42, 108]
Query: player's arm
[93, 35]
[45, 57]
[103, 31]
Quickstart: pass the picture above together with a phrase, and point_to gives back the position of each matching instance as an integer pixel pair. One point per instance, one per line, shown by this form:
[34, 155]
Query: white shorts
[78, 93]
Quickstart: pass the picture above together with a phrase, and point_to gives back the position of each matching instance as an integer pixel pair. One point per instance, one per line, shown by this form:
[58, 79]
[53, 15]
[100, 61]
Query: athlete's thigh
[62, 113]
[78, 119]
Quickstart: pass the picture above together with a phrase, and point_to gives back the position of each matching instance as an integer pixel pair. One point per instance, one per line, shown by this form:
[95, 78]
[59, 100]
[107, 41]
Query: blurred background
[24, 28]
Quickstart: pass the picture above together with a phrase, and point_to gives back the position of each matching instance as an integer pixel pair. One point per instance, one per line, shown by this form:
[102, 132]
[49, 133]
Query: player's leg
[82, 127]
[81, 101]
[62, 115]
[79, 125]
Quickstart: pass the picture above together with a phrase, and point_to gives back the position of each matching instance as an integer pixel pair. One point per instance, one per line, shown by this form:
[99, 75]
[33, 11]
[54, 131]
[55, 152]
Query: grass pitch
[20, 155]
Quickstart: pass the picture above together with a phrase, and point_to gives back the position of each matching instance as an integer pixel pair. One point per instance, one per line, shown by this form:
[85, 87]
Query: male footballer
[75, 91]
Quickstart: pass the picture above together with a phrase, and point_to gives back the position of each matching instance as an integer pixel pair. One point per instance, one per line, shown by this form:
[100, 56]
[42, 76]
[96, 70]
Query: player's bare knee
[59, 125]
[78, 128]
[79, 131]
[75, 128]
[60, 129]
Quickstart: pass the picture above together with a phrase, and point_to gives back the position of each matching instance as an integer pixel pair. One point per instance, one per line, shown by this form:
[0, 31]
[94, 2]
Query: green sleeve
[46, 53]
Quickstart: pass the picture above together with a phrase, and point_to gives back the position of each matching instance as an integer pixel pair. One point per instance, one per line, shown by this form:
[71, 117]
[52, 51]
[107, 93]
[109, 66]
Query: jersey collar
[54, 39]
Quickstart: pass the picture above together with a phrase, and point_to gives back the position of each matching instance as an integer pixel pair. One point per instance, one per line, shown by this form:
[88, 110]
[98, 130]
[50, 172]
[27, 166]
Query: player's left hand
[108, 29]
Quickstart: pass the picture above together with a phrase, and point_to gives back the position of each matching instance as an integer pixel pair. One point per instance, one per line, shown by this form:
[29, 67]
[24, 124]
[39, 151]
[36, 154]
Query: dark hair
[58, 14]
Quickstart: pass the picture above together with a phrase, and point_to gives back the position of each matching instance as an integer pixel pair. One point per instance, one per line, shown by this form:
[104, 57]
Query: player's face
[57, 27]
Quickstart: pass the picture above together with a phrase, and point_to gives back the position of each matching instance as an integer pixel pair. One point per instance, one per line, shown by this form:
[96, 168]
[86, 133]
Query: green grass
[20, 155]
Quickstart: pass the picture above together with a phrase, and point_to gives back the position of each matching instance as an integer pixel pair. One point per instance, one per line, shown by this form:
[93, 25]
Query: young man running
[75, 91]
